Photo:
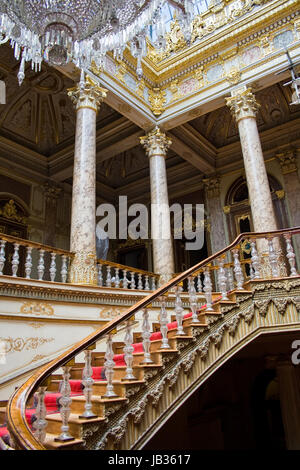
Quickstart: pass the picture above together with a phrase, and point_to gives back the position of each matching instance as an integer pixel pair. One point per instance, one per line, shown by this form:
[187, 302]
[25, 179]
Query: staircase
[117, 398]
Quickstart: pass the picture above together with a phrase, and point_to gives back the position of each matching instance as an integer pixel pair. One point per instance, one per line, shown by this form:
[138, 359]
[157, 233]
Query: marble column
[214, 208]
[156, 145]
[244, 107]
[87, 98]
[289, 392]
[51, 193]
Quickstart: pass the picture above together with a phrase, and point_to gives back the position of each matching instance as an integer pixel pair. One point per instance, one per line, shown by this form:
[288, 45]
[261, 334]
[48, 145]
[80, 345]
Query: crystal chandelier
[83, 31]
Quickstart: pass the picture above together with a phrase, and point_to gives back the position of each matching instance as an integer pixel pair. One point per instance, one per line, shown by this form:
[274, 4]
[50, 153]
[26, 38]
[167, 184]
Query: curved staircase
[118, 398]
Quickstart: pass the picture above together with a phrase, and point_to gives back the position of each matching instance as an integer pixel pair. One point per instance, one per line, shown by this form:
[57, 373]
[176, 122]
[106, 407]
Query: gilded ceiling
[219, 127]
[38, 114]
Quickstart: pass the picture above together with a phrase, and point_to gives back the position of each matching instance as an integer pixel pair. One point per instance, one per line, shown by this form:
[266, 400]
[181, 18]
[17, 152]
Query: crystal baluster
[290, 254]
[65, 400]
[252, 273]
[140, 282]
[100, 275]
[117, 278]
[41, 265]
[40, 423]
[146, 333]
[208, 290]
[52, 269]
[125, 280]
[273, 258]
[2, 255]
[222, 279]
[153, 283]
[255, 260]
[109, 368]
[15, 260]
[128, 350]
[64, 269]
[28, 262]
[147, 286]
[88, 381]
[108, 276]
[193, 299]
[238, 272]
[163, 320]
[132, 280]
[230, 279]
[179, 310]
[199, 283]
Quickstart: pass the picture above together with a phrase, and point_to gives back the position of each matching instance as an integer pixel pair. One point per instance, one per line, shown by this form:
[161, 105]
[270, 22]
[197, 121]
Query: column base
[83, 269]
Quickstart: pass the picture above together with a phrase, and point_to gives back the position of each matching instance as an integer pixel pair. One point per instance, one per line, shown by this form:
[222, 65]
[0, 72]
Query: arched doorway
[238, 209]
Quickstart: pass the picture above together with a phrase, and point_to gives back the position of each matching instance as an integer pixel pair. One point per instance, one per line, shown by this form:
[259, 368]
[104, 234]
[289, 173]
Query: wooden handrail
[17, 425]
[38, 246]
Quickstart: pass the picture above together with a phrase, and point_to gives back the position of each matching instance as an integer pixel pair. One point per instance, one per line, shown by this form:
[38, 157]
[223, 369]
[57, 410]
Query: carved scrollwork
[232, 325]
[189, 362]
[249, 314]
[173, 376]
[138, 411]
[132, 390]
[203, 349]
[157, 393]
[218, 336]
[118, 432]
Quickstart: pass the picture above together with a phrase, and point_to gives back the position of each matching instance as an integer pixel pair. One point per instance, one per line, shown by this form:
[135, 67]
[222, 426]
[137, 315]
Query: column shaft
[156, 144]
[87, 98]
[263, 215]
[244, 107]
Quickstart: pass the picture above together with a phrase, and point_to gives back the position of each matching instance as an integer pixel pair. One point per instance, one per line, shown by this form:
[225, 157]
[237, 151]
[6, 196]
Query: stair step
[76, 424]
[51, 444]
[98, 404]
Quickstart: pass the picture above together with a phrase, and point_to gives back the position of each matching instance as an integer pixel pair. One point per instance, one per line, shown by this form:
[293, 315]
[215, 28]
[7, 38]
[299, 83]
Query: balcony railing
[275, 264]
[30, 260]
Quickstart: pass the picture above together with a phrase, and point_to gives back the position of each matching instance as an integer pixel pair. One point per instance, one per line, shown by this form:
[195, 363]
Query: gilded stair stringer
[269, 306]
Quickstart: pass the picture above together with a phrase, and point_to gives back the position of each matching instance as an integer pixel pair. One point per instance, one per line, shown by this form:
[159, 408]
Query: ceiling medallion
[83, 31]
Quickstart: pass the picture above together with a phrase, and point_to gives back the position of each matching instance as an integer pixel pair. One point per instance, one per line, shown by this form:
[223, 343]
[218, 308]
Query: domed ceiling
[219, 126]
[38, 114]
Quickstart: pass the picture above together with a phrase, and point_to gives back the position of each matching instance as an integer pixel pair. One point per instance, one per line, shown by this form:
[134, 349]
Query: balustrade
[170, 299]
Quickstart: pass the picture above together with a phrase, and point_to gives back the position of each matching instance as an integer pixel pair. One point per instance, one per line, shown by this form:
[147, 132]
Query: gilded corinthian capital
[156, 142]
[242, 104]
[90, 96]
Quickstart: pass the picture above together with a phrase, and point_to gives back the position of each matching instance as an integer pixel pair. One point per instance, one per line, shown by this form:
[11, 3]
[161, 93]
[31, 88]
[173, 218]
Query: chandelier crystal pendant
[83, 31]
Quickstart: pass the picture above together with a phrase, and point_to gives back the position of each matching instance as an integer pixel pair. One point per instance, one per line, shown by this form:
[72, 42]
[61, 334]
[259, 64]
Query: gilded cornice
[187, 70]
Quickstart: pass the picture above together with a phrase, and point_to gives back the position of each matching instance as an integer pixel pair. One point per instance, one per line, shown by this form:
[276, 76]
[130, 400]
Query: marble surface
[163, 256]
[83, 221]
[217, 235]
[262, 210]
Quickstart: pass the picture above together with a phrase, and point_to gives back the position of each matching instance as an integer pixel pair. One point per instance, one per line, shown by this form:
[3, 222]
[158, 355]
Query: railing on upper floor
[109, 276]
[31, 260]
[276, 264]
